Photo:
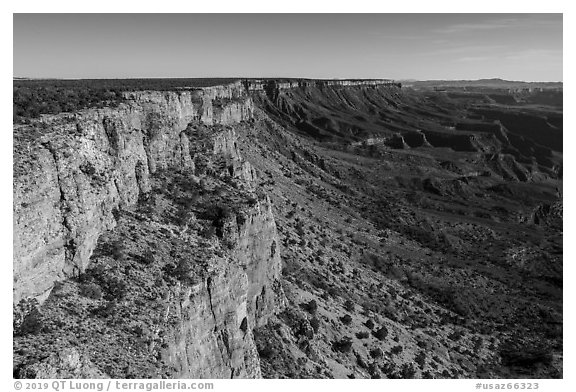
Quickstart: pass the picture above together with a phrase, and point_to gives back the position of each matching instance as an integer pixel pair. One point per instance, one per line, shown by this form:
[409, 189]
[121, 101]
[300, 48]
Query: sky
[395, 46]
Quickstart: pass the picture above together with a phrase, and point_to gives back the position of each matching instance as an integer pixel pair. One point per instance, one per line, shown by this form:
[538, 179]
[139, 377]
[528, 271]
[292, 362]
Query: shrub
[181, 271]
[361, 362]
[32, 323]
[106, 310]
[311, 307]
[117, 250]
[420, 359]
[373, 371]
[396, 350]
[369, 324]
[346, 319]
[349, 306]
[266, 351]
[116, 288]
[315, 323]
[148, 258]
[116, 213]
[87, 168]
[388, 368]
[362, 335]
[113, 287]
[389, 313]
[91, 290]
[455, 336]
[376, 353]
[381, 333]
[20, 311]
[333, 292]
[343, 345]
[407, 371]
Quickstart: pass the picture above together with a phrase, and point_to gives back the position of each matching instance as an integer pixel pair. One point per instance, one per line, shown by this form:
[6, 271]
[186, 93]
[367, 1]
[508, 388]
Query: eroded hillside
[267, 229]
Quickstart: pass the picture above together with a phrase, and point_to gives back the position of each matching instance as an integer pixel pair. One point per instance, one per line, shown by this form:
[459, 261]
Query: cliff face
[216, 317]
[69, 179]
[72, 179]
[263, 85]
[151, 242]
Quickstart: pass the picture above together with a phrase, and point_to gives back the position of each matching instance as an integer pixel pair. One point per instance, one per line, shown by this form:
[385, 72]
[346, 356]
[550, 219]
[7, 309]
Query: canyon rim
[292, 228]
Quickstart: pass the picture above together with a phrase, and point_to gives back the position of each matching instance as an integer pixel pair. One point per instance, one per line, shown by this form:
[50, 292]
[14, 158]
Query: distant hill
[489, 83]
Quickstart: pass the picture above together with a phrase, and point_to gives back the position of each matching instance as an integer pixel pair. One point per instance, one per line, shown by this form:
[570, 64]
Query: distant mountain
[491, 83]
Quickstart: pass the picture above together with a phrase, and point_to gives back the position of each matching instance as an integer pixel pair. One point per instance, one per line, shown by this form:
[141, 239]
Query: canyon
[289, 228]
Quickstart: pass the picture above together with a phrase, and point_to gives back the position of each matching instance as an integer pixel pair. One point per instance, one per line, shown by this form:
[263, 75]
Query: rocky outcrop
[71, 179]
[257, 249]
[416, 139]
[273, 87]
[70, 176]
[397, 141]
[201, 321]
[507, 167]
[548, 214]
[222, 142]
[216, 317]
[273, 84]
[67, 363]
[457, 142]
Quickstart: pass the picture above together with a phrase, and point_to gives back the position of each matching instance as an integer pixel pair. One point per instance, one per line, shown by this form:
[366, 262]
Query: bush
[333, 292]
[113, 287]
[349, 306]
[408, 371]
[20, 311]
[373, 371]
[311, 307]
[381, 333]
[116, 288]
[266, 351]
[343, 345]
[346, 319]
[362, 335]
[369, 324]
[455, 336]
[396, 350]
[182, 271]
[361, 363]
[106, 310]
[420, 359]
[116, 213]
[32, 323]
[148, 258]
[315, 323]
[388, 369]
[117, 250]
[376, 353]
[91, 290]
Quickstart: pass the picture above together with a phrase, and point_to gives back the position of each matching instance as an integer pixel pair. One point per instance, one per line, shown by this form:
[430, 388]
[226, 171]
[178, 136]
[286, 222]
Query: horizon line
[288, 77]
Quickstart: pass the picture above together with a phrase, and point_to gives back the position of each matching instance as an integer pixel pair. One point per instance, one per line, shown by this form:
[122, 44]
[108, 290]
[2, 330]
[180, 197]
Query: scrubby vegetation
[392, 241]
[400, 262]
[31, 98]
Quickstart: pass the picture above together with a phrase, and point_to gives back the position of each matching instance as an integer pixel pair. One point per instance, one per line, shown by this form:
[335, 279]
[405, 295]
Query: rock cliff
[215, 317]
[148, 237]
[75, 174]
